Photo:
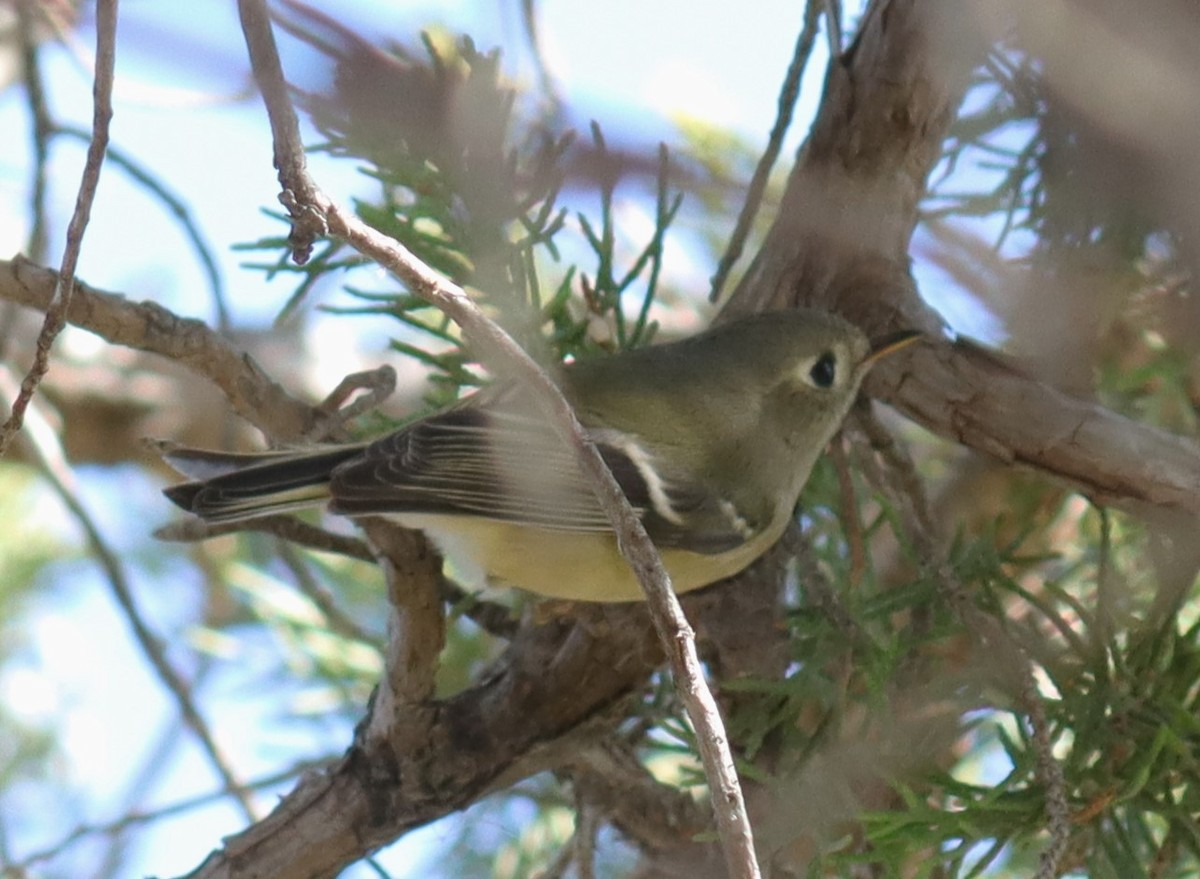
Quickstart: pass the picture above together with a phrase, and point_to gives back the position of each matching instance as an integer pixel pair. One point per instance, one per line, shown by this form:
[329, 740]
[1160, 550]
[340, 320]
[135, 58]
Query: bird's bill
[889, 344]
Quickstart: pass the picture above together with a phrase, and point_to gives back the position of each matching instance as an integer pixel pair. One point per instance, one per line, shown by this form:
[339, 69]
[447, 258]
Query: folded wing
[496, 463]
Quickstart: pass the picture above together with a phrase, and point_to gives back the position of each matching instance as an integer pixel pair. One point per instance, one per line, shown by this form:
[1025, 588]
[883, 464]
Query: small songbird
[711, 438]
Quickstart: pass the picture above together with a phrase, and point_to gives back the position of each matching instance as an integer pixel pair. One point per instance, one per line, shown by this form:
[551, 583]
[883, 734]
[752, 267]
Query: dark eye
[824, 371]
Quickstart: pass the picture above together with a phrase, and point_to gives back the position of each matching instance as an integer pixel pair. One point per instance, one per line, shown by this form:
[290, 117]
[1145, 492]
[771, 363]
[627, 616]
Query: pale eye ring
[824, 371]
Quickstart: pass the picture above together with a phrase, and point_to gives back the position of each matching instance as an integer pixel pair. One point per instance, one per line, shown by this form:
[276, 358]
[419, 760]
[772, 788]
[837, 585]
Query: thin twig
[546, 81]
[39, 112]
[788, 93]
[299, 191]
[35, 92]
[833, 27]
[616, 785]
[378, 384]
[49, 455]
[902, 473]
[6, 861]
[181, 212]
[900, 481]
[1107, 594]
[558, 867]
[851, 515]
[194, 530]
[136, 819]
[493, 618]
[818, 591]
[584, 838]
[56, 314]
[304, 199]
[1050, 773]
[377, 867]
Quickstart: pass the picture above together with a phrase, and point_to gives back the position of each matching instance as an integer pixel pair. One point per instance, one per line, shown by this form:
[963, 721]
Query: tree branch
[56, 311]
[657, 815]
[529, 714]
[401, 710]
[146, 326]
[962, 392]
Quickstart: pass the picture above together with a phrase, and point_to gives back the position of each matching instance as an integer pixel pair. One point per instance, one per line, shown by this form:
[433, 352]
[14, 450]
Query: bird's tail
[230, 487]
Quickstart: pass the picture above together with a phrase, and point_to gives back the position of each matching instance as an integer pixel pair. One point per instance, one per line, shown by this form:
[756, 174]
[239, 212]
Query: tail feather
[248, 486]
[202, 464]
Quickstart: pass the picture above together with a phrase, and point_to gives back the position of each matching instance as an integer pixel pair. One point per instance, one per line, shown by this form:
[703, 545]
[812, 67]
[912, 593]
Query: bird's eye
[824, 371]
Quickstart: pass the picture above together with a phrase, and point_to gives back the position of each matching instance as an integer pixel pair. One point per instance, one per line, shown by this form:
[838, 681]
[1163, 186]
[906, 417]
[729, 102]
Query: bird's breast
[563, 564]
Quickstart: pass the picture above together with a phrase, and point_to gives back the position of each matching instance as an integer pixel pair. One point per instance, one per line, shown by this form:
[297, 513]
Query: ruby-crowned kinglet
[711, 438]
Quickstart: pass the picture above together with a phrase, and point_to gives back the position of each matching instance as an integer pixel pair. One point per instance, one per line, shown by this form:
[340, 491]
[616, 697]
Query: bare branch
[35, 92]
[378, 385]
[789, 92]
[841, 239]
[841, 243]
[584, 839]
[850, 512]
[288, 527]
[321, 597]
[299, 193]
[492, 617]
[1050, 774]
[146, 326]
[56, 313]
[962, 392]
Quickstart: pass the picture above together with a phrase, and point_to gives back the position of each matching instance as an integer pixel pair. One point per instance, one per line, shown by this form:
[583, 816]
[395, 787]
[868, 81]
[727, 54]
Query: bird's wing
[492, 462]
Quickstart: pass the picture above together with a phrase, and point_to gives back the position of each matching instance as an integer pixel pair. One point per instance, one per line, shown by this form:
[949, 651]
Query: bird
[711, 438]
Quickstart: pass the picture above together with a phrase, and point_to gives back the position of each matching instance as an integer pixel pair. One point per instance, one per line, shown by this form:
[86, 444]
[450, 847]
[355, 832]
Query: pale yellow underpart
[569, 565]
